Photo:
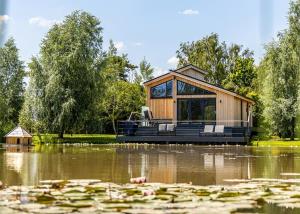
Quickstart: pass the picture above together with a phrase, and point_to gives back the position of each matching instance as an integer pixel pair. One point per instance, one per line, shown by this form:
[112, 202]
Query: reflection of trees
[271, 162]
[169, 164]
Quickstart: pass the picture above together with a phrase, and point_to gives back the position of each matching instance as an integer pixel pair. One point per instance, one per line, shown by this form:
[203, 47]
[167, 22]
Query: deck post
[174, 95]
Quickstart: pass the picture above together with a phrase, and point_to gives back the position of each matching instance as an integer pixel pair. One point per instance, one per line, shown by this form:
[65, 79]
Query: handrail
[185, 121]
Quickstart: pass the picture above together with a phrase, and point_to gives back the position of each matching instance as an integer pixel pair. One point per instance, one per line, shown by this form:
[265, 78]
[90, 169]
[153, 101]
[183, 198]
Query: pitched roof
[190, 66]
[18, 132]
[176, 73]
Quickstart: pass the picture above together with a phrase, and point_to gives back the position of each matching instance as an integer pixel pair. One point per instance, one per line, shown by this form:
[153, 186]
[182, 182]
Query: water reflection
[201, 165]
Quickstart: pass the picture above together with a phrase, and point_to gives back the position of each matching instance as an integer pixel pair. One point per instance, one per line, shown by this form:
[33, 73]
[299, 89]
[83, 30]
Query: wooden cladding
[229, 108]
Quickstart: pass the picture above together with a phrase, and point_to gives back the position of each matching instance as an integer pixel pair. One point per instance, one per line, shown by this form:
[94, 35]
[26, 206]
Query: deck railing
[129, 127]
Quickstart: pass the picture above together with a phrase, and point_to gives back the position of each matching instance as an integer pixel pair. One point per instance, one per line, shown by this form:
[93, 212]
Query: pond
[199, 165]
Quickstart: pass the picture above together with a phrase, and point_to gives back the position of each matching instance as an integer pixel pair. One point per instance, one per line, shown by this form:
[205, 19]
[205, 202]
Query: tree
[281, 69]
[69, 64]
[115, 67]
[145, 72]
[120, 99]
[32, 116]
[12, 89]
[230, 67]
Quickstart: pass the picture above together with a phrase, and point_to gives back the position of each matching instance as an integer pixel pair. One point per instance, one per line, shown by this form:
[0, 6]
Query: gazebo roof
[18, 132]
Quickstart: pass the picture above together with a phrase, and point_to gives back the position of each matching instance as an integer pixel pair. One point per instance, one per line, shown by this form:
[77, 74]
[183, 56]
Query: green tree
[32, 115]
[227, 66]
[145, 72]
[281, 69]
[120, 99]
[12, 74]
[69, 64]
[116, 67]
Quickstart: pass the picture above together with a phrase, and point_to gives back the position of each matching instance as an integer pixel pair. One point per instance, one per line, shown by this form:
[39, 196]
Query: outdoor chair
[148, 117]
[219, 130]
[162, 127]
[166, 129]
[208, 130]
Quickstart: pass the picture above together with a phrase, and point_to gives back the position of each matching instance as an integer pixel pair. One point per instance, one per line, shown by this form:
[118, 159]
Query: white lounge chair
[162, 127]
[208, 130]
[170, 127]
[219, 130]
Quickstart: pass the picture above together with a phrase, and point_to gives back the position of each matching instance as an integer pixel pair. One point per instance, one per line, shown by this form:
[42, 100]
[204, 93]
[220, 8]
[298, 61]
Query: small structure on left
[18, 136]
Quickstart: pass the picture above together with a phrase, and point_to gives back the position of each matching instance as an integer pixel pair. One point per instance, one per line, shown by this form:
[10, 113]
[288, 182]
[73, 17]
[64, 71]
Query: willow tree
[12, 74]
[69, 63]
[281, 70]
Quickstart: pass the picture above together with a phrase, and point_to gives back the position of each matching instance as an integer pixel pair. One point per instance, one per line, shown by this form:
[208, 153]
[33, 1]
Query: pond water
[201, 165]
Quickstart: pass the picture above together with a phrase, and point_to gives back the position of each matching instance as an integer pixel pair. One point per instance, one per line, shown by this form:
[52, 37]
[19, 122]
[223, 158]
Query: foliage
[68, 65]
[75, 138]
[281, 69]
[12, 88]
[145, 72]
[120, 99]
[227, 66]
[116, 67]
[32, 114]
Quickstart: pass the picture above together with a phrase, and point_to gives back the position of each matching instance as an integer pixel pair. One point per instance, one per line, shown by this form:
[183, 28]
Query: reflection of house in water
[163, 168]
[199, 166]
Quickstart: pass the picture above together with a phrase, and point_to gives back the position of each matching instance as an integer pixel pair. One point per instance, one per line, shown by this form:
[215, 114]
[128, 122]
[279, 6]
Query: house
[184, 95]
[18, 136]
[183, 99]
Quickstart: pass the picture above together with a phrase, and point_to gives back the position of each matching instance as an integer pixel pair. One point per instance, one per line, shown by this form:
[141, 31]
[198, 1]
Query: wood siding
[230, 110]
[193, 73]
[14, 140]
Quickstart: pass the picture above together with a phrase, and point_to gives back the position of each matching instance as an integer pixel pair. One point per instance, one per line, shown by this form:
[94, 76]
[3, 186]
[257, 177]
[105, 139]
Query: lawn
[282, 143]
[75, 138]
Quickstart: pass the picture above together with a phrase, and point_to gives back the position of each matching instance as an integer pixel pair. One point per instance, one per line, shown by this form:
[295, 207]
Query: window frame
[166, 96]
[187, 94]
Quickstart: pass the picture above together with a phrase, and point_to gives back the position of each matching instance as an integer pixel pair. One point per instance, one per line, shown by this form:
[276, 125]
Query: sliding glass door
[196, 109]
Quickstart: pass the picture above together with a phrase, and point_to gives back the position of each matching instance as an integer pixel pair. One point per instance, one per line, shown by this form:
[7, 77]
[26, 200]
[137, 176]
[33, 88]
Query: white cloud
[159, 71]
[137, 44]
[119, 45]
[189, 12]
[4, 18]
[173, 61]
[42, 22]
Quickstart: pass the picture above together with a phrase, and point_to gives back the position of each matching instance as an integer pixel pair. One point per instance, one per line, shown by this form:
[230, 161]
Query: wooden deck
[190, 133]
[182, 139]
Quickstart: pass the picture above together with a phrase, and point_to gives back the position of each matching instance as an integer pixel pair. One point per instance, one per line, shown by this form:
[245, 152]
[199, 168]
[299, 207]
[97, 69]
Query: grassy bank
[275, 142]
[75, 138]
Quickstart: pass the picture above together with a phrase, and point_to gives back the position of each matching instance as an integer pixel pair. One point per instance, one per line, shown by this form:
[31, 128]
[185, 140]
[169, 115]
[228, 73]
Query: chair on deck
[148, 117]
[219, 130]
[166, 129]
[208, 130]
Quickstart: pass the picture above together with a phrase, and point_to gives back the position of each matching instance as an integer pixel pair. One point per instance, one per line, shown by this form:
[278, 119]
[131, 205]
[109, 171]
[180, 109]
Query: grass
[75, 138]
[274, 141]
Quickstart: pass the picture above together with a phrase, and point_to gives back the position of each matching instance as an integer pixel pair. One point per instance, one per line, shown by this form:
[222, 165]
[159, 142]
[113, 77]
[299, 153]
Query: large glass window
[163, 90]
[196, 109]
[187, 89]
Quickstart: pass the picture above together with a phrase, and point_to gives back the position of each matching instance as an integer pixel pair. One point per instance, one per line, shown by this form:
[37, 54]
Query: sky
[152, 29]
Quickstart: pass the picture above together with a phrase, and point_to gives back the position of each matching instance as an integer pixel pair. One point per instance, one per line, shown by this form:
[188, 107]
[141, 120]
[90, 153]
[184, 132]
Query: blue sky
[152, 29]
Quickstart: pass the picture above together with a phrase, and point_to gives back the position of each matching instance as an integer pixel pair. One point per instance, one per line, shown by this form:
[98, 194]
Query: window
[196, 109]
[163, 90]
[187, 89]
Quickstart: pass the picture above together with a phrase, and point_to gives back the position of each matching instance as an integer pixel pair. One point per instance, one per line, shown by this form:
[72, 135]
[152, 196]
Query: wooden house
[184, 95]
[184, 107]
[18, 136]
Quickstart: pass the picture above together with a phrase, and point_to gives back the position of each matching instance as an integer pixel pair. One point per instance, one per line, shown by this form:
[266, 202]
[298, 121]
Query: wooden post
[174, 95]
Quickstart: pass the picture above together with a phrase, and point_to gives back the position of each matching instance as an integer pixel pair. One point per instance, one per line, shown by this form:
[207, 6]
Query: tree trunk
[61, 135]
[114, 126]
[293, 128]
